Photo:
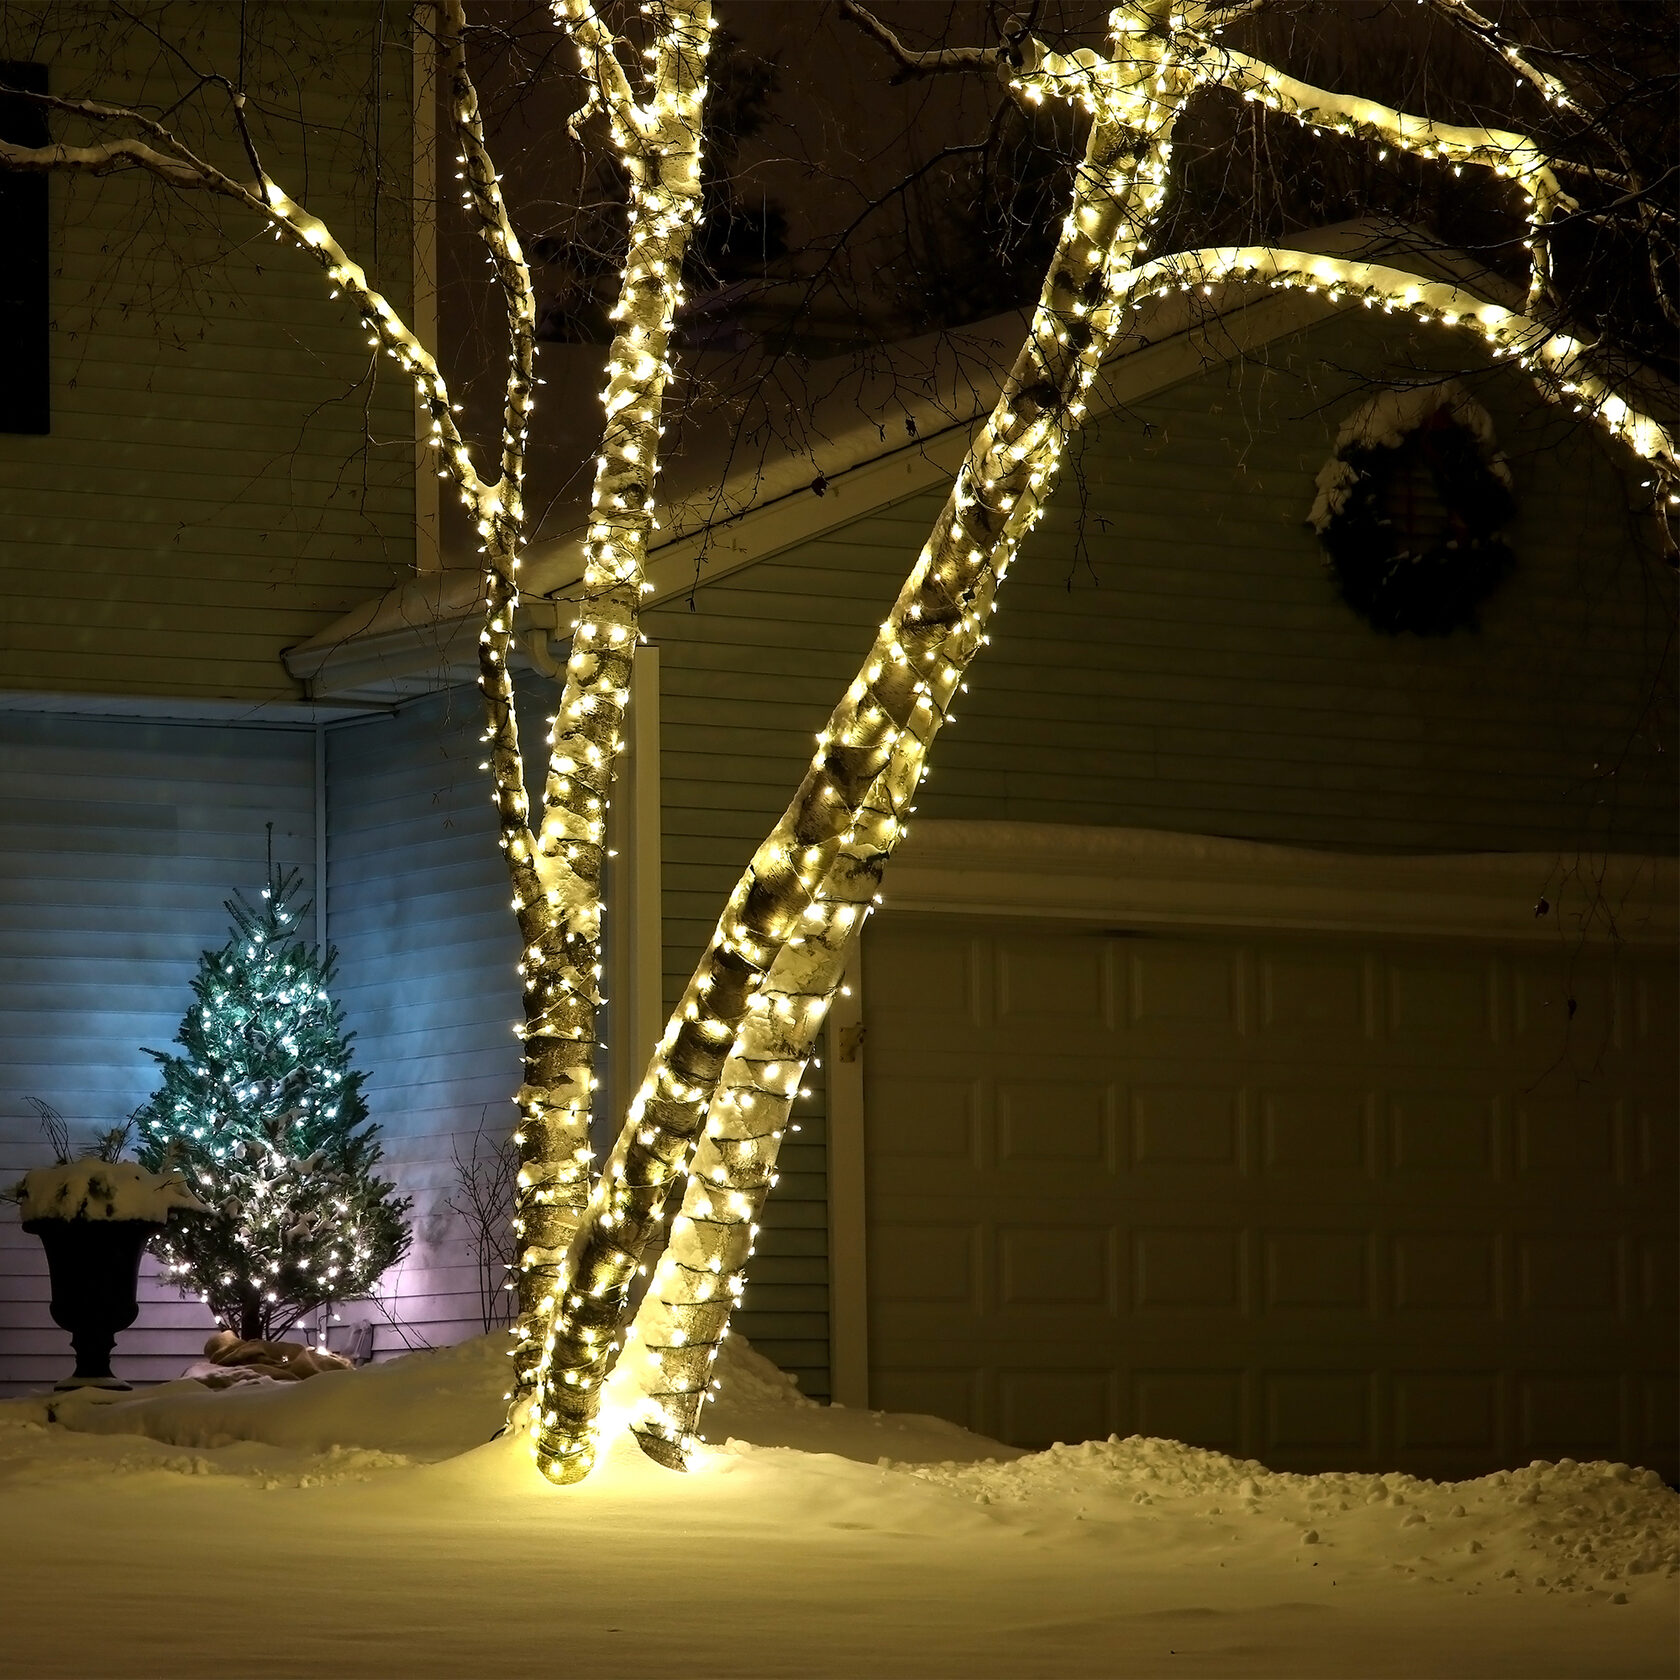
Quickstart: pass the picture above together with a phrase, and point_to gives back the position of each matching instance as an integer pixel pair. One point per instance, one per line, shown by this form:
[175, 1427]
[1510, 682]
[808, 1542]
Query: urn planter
[95, 1269]
[94, 1218]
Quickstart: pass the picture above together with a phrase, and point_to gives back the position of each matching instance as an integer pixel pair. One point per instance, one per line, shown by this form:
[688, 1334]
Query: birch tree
[554, 858]
[713, 1105]
[755, 1005]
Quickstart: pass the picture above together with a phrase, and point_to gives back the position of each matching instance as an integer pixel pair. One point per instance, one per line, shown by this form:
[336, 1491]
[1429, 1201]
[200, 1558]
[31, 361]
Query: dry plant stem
[883, 724]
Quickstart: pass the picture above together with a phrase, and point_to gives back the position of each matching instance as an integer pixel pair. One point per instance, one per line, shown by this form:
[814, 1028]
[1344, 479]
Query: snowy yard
[360, 1524]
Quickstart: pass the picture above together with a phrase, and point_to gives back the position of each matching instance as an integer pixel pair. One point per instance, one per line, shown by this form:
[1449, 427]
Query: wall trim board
[635, 927]
[848, 1256]
[1149, 878]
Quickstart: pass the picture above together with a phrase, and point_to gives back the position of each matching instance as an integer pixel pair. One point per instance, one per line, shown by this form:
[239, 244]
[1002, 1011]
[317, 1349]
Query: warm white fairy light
[729, 1062]
[571, 1344]
[1007, 477]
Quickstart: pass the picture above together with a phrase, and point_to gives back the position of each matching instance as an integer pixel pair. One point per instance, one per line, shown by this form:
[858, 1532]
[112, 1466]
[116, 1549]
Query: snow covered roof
[875, 435]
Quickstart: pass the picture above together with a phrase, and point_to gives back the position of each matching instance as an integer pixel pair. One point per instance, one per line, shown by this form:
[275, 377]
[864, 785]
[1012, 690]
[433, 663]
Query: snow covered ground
[365, 1514]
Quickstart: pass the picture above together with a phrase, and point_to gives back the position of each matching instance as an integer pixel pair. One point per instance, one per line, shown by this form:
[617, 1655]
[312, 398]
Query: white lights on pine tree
[263, 1116]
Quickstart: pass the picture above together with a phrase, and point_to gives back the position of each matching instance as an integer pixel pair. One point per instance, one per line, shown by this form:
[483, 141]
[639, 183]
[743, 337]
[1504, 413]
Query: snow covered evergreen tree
[265, 1114]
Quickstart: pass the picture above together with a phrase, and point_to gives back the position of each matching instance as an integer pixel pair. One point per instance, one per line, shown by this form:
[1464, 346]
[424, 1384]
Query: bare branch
[913, 62]
[1490, 35]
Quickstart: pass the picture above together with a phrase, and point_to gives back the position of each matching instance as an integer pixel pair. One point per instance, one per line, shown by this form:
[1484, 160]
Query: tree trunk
[876, 740]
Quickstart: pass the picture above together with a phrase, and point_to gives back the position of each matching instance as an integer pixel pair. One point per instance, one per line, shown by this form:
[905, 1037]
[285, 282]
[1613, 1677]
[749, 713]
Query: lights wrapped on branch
[876, 740]
[659, 141]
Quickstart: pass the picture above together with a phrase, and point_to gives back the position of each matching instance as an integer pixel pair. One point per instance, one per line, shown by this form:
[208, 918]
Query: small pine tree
[265, 1114]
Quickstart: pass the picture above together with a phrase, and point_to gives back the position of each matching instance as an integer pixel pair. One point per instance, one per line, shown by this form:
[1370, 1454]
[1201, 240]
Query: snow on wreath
[1409, 508]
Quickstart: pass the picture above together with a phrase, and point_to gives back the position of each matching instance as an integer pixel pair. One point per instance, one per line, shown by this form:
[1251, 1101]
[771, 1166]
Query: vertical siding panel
[419, 913]
[119, 843]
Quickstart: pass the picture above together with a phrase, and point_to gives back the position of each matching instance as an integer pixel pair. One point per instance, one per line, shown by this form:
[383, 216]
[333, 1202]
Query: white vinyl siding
[227, 469]
[419, 912]
[120, 842]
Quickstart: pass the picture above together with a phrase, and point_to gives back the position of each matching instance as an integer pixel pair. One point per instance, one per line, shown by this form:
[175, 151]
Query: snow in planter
[106, 1190]
[264, 1113]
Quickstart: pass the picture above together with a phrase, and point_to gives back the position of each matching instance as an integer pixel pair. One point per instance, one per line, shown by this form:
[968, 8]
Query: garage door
[1332, 1203]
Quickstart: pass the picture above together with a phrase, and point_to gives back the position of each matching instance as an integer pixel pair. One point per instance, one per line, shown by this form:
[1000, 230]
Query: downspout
[321, 836]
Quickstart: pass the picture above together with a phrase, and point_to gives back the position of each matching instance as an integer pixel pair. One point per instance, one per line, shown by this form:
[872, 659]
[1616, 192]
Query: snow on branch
[609, 87]
[1485, 30]
[1501, 150]
[1566, 370]
[915, 61]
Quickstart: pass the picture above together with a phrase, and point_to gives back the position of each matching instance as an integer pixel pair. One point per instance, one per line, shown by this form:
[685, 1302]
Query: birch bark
[877, 738]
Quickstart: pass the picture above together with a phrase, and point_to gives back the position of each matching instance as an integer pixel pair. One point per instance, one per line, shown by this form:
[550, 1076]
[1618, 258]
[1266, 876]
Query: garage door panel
[1317, 1140]
[1057, 1405]
[1656, 1005]
[917, 1123]
[1446, 1004]
[1446, 1272]
[1567, 1136]
[1045, 979]
[1186, 1129]
[1569, 1413]
[1656, 1149]
[1179, 1267]
[1334, 1204]
[1174, 988]
[1659, 1423]
[927, 1263]
[939, 984]
[1312, 1271]
[1056, 1265]
[952, 1394]
[1569, 1274]
[1565, 999]
[1206, 1407]
[1318, 991]
[1449, 1412]
[1658, 1278]
[1308, 1414]
[1055, 1123]
[1444, 1133]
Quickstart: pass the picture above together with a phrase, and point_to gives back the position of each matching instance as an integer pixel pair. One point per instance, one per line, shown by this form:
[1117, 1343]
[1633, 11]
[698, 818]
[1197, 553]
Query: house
[187, 493]
[1268, 1037]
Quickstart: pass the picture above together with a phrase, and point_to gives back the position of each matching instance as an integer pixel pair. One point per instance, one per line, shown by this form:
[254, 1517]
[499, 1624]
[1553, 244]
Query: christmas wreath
[1409, 509]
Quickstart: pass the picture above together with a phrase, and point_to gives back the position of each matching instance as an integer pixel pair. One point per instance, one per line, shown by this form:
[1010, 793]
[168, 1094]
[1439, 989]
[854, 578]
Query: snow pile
[96, 1189]
[746, 1379]
[819, 1540]
[423, 1406]
[1563, 1526]
[1385, 422]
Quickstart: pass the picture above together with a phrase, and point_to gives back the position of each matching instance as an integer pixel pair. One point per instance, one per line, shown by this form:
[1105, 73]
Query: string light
[716, 1099]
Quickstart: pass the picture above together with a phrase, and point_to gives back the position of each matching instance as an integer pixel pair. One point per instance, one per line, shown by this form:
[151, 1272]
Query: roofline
[423, 634]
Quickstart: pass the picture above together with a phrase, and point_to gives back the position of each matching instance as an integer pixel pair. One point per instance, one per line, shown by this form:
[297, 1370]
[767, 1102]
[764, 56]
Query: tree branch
[1566, 370]
[913, 62]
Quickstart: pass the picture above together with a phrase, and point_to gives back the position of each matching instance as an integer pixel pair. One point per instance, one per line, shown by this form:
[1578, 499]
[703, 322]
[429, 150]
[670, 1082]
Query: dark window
[24, 365]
